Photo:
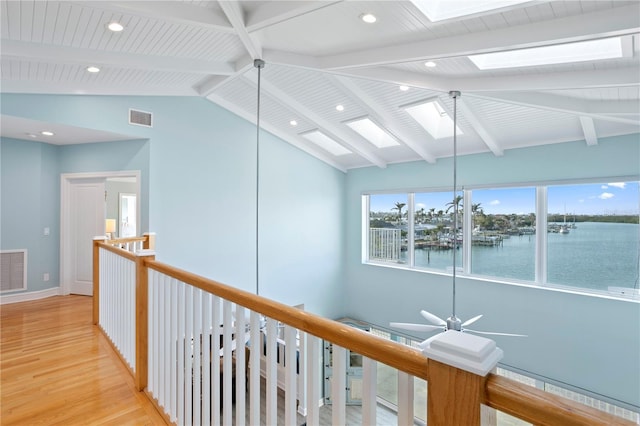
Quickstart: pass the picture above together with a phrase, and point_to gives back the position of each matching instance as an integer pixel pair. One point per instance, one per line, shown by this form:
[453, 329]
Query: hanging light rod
[259, 64]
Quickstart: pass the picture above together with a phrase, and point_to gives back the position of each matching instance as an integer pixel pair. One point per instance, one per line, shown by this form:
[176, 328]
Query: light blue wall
[30, 177]
[202, 193]
[112, 157]
[586, 341]
[30, 202]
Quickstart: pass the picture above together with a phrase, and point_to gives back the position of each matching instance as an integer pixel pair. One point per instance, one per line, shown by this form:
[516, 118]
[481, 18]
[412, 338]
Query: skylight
[372, 132]
[326, 143]
[592, 50]
[433, 118]
[439, 10]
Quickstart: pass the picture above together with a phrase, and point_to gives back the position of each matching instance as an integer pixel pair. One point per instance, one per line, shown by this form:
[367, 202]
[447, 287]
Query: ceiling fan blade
[432, 318]
[416, 327]
[422, 345]
[472, 320]
[494, 333]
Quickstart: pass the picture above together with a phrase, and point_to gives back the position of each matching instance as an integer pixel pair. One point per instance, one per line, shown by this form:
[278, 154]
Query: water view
[593, 232]
[593, 255]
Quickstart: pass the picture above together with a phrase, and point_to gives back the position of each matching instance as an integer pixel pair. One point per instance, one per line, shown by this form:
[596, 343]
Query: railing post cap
[145, 252]
[475, 354]
[149, 233]
[100, 238]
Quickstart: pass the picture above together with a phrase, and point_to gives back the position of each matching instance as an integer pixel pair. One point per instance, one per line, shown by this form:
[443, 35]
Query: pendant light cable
[258, 63]
[454, 94]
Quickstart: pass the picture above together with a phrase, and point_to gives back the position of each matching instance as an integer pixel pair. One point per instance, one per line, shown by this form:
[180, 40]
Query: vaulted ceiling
[321, 54]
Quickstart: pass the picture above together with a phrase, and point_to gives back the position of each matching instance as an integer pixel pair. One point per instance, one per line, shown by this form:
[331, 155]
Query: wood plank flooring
[56, 368]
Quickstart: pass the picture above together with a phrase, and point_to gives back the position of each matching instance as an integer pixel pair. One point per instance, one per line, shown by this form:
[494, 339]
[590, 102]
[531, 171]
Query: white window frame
[541, 205]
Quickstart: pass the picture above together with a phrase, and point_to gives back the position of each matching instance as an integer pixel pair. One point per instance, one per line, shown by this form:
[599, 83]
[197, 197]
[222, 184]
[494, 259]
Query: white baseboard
[31, 295]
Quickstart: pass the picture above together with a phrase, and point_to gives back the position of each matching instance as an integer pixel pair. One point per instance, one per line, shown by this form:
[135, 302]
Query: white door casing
[82, 218]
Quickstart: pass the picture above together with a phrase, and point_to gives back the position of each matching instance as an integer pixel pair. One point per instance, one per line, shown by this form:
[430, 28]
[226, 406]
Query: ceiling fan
[453, 322]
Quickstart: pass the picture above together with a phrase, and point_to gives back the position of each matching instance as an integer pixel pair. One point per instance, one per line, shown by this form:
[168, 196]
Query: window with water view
[592, 234]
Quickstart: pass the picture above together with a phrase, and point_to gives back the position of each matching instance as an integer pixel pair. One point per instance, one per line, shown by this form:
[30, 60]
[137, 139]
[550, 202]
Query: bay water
[593, 255]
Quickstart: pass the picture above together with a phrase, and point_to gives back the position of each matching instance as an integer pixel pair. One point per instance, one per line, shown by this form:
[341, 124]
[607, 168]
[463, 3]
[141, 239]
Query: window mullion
[411, 230]
[541, 235]
[466, 232]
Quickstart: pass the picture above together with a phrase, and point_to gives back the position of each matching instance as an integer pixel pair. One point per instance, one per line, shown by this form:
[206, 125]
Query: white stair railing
[183, 331]
[187, 375]
[118, 303]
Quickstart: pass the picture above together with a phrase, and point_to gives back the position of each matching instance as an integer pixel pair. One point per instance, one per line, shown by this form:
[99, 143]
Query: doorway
[83, 216]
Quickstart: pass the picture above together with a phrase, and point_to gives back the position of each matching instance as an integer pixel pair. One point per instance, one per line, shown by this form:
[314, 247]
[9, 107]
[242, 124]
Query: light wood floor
[56, 368]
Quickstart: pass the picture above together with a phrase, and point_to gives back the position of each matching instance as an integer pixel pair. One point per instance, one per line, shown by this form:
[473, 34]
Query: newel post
[142, 317]
[96, 278]
[458, 366]
[149, 242]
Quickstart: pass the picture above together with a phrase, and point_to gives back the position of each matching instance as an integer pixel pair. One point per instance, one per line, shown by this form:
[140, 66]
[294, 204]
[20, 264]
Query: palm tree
[456, 204]
[399, 207]
[475, 210]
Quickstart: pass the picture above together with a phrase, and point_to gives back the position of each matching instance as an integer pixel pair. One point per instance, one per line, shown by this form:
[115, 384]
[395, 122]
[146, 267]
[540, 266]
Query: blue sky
[595, 199]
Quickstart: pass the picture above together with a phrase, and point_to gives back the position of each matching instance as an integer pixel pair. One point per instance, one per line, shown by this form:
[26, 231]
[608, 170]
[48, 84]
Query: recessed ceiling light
[116, 27]
[430, 64]
[93, 69]
[340, 107]
[404, 88]
[326, 143]
[608, 48]
[433, 118]
[46, 133]
[372, 132]
[369, 18]
[293, 122]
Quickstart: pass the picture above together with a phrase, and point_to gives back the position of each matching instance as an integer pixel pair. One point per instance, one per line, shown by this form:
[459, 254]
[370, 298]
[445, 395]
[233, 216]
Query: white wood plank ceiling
[320, 54]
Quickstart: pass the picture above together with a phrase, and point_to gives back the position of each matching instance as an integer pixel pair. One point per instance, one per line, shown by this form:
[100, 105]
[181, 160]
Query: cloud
[494, 202]
[420, 206]
[605, 195]
[604, 187]
[620, 185]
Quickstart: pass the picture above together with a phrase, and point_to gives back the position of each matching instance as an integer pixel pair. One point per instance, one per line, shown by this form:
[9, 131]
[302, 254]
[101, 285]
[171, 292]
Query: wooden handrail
[125, 240]
[386, 351]
[117, 250]
[542, 408]
[525, 402]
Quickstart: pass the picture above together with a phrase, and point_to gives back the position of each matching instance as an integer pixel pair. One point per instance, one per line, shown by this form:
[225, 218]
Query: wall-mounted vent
[13, 270]
[140, 118]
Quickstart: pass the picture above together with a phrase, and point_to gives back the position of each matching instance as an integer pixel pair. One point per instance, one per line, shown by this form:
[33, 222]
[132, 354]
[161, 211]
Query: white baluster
[339, 385]
[198, 345]
[153, 333]
[181, 349]
[227, 362]
[206, 362]
[313, 380]
[369, 394]
[272, 373]
[241, 326]
[405, 398]
[302, 373]
[189, 343]
[172, 345]
[291, 365]
[254, 368]
[215, 361]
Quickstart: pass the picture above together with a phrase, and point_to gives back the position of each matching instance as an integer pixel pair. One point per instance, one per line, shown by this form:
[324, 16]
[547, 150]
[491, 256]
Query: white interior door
[86, 220]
